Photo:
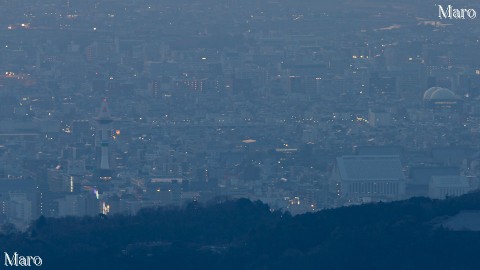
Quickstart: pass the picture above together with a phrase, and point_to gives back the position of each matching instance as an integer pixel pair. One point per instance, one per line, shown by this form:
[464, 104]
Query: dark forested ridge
[246, 235]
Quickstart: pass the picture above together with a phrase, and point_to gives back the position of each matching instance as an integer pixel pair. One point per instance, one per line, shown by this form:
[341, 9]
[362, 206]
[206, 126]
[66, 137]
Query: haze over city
[111, 108]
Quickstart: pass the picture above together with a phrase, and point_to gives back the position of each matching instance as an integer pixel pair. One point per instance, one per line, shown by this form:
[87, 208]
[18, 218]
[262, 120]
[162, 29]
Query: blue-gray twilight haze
[239, 134]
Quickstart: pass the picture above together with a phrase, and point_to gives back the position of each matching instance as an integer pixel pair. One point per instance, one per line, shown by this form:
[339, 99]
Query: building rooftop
[374, 167]
[438, 93]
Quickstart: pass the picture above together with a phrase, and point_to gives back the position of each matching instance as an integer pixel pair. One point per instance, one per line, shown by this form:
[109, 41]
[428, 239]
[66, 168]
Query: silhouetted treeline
[247, 235]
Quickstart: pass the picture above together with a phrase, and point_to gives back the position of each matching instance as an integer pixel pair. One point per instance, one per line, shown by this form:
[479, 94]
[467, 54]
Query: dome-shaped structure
[440, 98]
[438, 93]
[428, 93]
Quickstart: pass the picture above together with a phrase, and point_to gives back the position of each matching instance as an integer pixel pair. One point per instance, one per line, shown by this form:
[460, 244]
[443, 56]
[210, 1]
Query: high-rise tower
[104, 119]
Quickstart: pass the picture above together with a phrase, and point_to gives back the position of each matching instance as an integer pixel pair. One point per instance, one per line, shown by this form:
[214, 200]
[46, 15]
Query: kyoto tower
[104, 119]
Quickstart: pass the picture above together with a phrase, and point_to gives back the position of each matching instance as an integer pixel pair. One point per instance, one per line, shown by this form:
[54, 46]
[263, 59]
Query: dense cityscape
[112, 106]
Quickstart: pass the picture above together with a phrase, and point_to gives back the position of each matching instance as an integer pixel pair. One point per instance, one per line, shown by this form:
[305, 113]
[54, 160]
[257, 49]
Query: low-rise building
[358, 179]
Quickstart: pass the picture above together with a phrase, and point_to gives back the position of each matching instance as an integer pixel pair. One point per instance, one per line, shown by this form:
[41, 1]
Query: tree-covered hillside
[246, 235]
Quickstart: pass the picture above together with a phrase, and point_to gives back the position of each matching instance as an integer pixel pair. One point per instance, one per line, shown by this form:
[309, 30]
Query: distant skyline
[264, 100]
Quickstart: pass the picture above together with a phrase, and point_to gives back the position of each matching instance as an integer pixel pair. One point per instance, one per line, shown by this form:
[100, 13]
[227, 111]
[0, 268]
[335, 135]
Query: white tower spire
[103, 120]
